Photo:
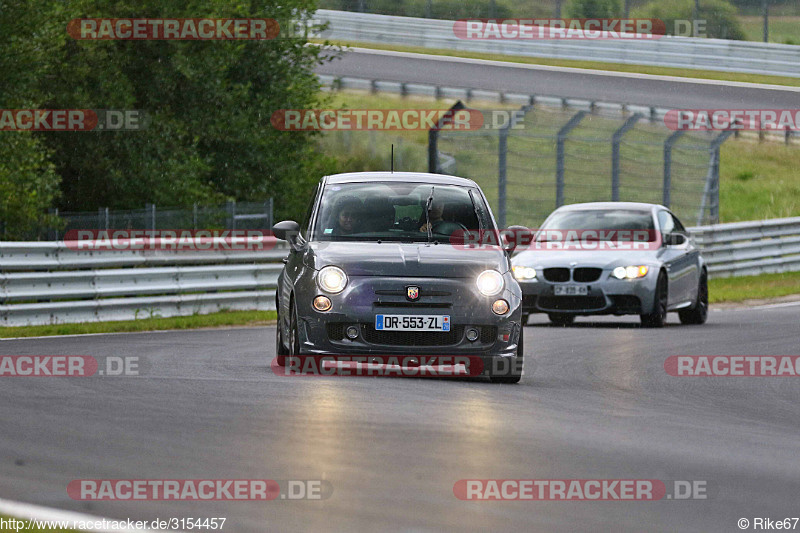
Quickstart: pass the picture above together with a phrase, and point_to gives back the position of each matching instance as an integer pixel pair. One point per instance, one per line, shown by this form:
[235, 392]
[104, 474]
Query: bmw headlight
[490, 282]
[332, 279]
[630, 272]
[523, 273]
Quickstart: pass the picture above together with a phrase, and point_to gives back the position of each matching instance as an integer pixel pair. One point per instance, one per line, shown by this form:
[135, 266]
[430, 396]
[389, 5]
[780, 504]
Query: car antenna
[392, 158]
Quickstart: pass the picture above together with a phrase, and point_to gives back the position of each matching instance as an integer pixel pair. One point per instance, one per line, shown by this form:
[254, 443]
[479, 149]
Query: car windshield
[610, 224]
[394, 211]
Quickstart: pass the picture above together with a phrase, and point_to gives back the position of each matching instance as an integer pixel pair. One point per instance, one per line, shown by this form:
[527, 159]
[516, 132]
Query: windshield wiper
[428, 215]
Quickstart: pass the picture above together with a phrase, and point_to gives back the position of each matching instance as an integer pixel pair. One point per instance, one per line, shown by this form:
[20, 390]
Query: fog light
[500, 307]
[352, 332]
[322, 303]
[472, 334]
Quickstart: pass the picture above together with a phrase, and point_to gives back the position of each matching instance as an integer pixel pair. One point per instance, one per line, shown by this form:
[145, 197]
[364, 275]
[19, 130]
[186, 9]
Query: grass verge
[593, 65]
[762, 286]
[213, 320]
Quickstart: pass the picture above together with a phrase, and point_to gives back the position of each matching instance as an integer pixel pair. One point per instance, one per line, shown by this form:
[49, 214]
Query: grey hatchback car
[372, 270]
[628, 258]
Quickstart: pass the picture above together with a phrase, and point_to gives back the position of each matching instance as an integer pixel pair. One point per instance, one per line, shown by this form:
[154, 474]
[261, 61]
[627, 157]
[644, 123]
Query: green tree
[594, 9]
[28, 181]
[209, 104]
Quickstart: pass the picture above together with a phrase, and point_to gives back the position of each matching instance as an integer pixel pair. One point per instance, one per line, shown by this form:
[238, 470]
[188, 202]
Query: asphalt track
[597, 405]
[657, 91]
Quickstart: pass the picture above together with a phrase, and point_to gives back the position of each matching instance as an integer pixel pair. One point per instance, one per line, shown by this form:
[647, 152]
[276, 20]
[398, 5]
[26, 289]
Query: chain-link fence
[552, 157]
[232, 215]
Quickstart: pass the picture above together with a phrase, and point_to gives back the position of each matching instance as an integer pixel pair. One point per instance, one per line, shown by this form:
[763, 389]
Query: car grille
[586, 275]
[412, 338]
[488, 334]
[571, 303]
[557, 275]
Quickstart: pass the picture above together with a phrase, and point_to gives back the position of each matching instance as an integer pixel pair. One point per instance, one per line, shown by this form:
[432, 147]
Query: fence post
[150, 212]
[271, 207]
[502, 152]
[194, 216]
[668, 144]
[711, 189]
[231, 209]
[433, 136]
[560, 139]
[616, 139]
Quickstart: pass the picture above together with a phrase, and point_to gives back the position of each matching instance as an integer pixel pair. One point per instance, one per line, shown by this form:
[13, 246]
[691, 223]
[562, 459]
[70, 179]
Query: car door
[677, 258]
[688, 263]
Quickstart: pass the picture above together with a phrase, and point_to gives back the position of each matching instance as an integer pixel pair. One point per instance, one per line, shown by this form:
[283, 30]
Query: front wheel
[658, 316]
[699, 313]
[516, 373]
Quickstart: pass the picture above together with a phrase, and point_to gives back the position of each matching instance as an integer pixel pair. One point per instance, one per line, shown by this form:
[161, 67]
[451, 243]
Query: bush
[720, 16]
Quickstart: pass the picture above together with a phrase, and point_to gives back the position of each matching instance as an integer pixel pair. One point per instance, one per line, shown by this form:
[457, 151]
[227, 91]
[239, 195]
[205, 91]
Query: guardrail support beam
[560, 140]
[616, 140]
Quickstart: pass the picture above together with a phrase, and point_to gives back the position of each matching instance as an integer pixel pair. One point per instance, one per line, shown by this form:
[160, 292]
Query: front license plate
[412, 322]
[572, 290]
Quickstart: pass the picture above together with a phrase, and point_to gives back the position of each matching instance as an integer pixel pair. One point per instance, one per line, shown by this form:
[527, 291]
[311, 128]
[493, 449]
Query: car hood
[417, 259]
[607, 259]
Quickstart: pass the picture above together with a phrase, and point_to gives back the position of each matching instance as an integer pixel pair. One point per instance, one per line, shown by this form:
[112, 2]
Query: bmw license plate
[572, 290]
[412, 322]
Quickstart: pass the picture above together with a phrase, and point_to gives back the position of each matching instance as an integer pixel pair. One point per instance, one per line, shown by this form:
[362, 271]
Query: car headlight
[523, 273]
[490, 282]
[332, 279]
[630, 272]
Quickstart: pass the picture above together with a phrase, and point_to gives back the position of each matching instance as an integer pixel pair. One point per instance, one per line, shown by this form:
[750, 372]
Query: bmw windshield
[407, 212]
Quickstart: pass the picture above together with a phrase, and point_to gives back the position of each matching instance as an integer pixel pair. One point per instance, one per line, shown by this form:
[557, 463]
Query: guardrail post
[668, 144]
[560, 139]
[616, 140]
[194, 216]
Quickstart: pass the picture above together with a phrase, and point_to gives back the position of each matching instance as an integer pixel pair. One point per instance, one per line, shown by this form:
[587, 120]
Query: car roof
[413, 177]
[633, 206]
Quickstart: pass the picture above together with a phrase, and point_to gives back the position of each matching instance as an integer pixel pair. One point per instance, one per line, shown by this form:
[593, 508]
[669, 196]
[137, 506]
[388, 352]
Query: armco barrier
[678, 52]
[49, 283]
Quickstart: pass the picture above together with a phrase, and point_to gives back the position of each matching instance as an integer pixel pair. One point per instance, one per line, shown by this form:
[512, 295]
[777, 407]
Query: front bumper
[606, 296]
[323, 333]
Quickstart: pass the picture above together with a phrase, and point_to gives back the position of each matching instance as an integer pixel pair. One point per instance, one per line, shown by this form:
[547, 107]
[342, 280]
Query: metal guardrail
[50, 283]
[668, 51]
[749, 248]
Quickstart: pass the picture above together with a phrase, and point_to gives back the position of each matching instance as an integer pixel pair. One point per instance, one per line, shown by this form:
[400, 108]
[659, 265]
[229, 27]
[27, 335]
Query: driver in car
[437, 223]
[347, 215]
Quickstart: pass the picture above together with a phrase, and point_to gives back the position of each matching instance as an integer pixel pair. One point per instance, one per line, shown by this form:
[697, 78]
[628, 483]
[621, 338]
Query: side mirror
[515, 236]
[289, 231]
[675, 239]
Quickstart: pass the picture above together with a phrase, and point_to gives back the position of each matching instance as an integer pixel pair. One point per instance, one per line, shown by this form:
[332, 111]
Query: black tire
[294, 331]
[657, 318]
[699, 313]
[517, 372]
[280, 350]
[561, 319]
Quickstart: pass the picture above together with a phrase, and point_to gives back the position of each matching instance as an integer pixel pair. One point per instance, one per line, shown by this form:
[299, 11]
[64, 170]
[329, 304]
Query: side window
[666, 222]
[678, 226]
